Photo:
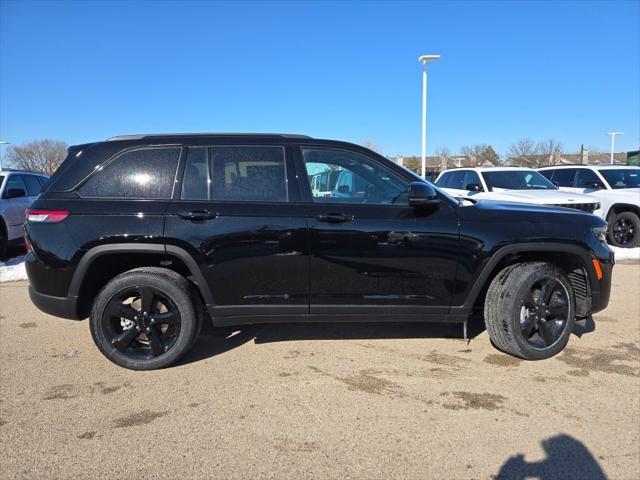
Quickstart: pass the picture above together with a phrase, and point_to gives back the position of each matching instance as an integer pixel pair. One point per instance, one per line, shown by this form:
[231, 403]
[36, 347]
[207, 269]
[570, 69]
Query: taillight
[46, 216]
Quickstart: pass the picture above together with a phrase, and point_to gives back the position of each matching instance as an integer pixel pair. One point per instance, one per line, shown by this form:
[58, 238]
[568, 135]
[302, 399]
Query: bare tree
[371, 145]
[445, 157]
[551, 149]
[524, 153]
[481, 154]
[42, 156]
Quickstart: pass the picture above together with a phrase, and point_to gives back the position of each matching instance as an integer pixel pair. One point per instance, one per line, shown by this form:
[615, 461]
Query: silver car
[18, 189]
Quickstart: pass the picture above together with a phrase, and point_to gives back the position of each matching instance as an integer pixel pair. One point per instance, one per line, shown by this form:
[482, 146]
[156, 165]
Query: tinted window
[622, 177]
[471, 177]
[547, 174]
[140, 173]
[563, 177]
[33, 185]
[15, 181]
[1, 180]
[195, 185]
[517, 180]
[248, 174]
[456, 180]
[442, 181]
[338, 176]
[586, 178]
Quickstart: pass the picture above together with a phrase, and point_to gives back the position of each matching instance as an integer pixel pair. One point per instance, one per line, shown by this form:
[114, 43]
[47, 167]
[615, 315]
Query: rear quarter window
[143, 173]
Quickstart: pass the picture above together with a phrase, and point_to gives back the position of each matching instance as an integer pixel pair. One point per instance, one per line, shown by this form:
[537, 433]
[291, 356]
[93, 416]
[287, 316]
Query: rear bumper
[64, 307]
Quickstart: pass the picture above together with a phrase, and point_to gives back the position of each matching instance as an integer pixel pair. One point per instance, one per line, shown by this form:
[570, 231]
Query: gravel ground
[322, 401]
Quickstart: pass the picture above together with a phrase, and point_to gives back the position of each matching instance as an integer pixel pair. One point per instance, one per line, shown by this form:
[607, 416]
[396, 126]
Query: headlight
[596, 206]
[600, 233]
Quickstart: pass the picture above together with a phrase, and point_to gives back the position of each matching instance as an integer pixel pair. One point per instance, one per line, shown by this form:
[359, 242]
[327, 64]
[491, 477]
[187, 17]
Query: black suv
[150, 235]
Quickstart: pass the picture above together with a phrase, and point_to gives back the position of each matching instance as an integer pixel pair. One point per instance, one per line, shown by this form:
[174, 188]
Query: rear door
[237, 214]
[14, 211]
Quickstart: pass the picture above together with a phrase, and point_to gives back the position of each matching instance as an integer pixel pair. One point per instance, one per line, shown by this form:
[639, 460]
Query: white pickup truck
[617, 188]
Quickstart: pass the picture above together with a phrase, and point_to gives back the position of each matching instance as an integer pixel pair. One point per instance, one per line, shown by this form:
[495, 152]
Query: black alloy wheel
[141, 322]
[545, 313]
[145, 318]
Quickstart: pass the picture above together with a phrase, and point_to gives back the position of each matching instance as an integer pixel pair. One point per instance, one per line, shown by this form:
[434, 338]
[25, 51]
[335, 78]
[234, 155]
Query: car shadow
[13, 251]
[566, 458]
[214, 341]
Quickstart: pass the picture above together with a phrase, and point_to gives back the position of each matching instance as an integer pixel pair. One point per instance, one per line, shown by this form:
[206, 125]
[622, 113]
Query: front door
[370, 251]
[236, 216]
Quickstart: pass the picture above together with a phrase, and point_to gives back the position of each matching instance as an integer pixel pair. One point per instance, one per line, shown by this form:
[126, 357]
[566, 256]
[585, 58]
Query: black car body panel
[293, 260]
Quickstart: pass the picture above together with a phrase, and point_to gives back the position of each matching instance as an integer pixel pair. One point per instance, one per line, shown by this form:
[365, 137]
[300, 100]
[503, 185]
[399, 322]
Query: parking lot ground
[322, 401]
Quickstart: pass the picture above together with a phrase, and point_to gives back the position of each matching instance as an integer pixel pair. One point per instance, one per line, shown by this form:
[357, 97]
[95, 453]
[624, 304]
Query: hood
[541, 197]
[631, 194]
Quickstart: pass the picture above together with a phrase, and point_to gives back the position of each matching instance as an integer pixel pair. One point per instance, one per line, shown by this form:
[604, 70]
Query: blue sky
[84, 71]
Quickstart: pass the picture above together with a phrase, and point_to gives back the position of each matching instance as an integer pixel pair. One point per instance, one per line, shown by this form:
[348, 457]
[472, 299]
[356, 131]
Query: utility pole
[613, 143]
[424, 59]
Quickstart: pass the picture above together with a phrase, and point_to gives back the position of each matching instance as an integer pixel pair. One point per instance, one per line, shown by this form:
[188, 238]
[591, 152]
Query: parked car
[18, 189]
[151, 235]
[617, 188]
[511, 184]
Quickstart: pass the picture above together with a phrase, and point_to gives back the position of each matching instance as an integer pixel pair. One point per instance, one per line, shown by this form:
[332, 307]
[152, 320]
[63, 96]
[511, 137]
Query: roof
[490, 169]
[200, 135]
[596, 166]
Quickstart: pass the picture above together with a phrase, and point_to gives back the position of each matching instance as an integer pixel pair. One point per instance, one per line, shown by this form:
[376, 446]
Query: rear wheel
[144, 319]
[530, 310]
[624, 230]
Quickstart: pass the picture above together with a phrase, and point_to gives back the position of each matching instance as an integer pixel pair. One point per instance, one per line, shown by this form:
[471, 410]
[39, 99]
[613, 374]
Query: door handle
[196, 215]
[334, 217]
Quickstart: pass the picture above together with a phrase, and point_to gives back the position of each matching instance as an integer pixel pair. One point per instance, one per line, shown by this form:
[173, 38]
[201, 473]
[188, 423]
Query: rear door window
[563, 177]
[143, 173]
[236, 174]
[33, 185]
[586, 178]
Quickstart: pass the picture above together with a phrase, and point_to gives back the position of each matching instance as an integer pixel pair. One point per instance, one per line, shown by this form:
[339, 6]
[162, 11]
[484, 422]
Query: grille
[585, 207]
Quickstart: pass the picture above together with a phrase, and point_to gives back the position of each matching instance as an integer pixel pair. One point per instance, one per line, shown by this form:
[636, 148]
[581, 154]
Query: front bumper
[64, 307]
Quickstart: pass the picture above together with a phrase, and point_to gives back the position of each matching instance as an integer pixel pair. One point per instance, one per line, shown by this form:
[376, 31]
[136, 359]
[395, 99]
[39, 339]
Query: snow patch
[13, 269]
[626, 253]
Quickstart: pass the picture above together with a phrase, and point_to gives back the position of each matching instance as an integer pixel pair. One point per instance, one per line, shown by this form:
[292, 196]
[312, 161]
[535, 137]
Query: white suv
[511, 184]
[18, 189]
[617, 187]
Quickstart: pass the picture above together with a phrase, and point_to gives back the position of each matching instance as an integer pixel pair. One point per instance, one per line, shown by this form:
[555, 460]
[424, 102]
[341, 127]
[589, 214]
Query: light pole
[2, 142]
[613, 142]
[424, 59]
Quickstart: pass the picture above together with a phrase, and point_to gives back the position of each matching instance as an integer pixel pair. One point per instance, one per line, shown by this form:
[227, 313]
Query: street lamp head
[2, 142]
[428, 58]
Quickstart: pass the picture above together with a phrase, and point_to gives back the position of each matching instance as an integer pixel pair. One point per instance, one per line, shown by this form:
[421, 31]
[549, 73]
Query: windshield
[517, 180]
[622, 177]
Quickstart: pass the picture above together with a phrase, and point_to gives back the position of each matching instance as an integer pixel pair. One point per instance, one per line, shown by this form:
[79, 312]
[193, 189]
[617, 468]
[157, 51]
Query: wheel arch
[617, 208]
[574, 260]
[102, 263]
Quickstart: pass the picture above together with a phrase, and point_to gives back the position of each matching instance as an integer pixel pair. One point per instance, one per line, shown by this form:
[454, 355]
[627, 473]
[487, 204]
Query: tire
[624, 230]
[522, 323]
[145, 318]
[3, 243]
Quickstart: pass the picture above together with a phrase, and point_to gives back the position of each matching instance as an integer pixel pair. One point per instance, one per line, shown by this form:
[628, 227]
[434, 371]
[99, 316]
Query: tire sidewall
[636, 237]
[522, 293]
[178, 296]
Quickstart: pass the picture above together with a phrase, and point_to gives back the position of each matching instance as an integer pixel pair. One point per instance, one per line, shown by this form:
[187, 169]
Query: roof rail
[161, 135]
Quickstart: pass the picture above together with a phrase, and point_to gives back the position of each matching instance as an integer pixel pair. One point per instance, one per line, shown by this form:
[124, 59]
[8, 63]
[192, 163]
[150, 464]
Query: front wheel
[144, 319]
[624, 230]
[530, 310]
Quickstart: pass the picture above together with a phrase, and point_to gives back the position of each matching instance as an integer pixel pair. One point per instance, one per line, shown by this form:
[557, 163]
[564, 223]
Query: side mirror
[473, 187]
[344, 189]
[15, 193]
[422, 194]
[594, 185]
